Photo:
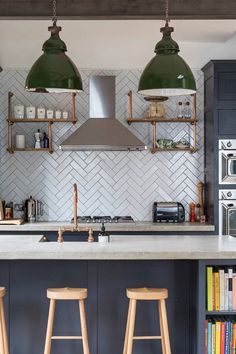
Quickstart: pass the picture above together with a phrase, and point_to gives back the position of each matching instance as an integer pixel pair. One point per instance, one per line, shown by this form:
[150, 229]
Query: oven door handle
[230, 155]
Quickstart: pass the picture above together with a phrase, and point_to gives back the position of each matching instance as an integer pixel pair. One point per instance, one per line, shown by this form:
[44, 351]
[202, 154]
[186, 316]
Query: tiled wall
[110, 183]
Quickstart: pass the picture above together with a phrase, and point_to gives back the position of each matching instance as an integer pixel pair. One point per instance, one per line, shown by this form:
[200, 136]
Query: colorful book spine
[213, 339]
[209, 289]
[231, 339]
[226, 292]
[217, 291]
[234, 292]
[234, 339]
[222, 338]
[227, 334]
[217, 345]
[230, 293]
[222, 289]
[206, 336]
[209, 337]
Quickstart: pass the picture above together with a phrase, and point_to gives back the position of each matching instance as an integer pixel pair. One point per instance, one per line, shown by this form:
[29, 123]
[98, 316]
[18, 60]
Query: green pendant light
[54, 71]
[167, 74]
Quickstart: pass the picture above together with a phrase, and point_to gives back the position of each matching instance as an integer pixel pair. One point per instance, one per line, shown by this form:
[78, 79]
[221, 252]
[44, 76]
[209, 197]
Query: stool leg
[127, 330]
[3, 329]
[83, 327]
[162, 308]
[131, 326]
[47, 348]
[161, 328]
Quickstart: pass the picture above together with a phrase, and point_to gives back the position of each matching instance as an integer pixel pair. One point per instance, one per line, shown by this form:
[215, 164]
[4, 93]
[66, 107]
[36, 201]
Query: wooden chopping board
[11, 222]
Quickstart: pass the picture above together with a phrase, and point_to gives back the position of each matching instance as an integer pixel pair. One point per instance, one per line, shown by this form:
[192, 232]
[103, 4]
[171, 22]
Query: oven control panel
[225, 194]
[226, 144]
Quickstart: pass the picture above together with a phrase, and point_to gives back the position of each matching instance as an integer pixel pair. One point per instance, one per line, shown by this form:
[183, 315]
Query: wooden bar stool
[78, 294]
[147, 294]
[4, 349]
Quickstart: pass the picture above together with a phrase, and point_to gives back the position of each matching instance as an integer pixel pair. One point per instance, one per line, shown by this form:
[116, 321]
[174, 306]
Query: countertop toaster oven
[168, 212]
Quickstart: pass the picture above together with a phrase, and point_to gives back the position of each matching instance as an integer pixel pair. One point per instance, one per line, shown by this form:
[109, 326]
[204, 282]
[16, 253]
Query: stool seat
[147, 293]
[2, 291]
[67, 293]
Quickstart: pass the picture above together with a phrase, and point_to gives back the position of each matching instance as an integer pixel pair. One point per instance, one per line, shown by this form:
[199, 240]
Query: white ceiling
[118, 43]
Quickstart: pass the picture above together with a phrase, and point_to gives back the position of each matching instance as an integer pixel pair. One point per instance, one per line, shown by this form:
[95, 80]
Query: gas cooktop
[104, 219]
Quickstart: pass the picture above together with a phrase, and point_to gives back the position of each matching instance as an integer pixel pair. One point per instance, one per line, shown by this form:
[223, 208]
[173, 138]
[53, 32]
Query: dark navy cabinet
[219, 123]
[107, 305]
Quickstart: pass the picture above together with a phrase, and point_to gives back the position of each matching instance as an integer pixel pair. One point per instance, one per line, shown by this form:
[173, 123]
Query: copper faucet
[75, 227]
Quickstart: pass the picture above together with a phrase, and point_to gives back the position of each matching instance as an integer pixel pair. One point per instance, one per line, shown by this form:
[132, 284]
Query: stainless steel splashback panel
[102, 96]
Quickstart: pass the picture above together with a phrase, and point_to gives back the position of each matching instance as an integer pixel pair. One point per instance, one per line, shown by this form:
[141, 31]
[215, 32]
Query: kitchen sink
[68, 237]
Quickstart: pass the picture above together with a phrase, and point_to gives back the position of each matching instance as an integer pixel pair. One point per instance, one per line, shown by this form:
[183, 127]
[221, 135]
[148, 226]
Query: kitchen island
[28, 267]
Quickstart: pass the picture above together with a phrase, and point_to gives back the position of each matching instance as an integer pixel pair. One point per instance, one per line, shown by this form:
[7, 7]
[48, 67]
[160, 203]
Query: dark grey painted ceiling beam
[118, 9]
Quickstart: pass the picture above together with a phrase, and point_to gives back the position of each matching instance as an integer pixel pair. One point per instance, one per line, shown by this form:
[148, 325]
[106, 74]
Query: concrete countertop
[137, 226]
[120, 248]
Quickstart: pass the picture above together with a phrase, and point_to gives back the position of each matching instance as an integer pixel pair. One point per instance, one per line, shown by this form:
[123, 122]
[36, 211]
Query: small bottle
[180, 110]
[187, 110]
[103, 236]
[45, 141]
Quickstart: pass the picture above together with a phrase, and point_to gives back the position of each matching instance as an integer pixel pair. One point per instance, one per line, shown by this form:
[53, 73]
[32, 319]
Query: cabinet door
[227, 122]
[227, 85]
[29, 305]
[113, 279]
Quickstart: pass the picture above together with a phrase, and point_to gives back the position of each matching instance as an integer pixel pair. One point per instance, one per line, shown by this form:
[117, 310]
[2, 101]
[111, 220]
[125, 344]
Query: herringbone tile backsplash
[109, 183]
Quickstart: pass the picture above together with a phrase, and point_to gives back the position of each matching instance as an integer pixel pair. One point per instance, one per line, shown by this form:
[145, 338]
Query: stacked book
[221, 289]
[220, 337]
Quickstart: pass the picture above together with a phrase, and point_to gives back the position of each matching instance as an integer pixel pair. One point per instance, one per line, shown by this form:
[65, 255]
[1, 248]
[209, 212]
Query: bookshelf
[202, 312]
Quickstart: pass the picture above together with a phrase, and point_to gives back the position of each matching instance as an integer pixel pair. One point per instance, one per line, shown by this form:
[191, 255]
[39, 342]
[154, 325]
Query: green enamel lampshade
[167, 74]
[54, 71]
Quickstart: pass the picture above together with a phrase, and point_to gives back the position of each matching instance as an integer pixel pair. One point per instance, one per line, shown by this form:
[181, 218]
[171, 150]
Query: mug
[8, 213]
[20, 141]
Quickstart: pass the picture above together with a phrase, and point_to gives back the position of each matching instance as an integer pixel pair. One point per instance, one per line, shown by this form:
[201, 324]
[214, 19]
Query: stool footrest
[146, 337]
[66, 337]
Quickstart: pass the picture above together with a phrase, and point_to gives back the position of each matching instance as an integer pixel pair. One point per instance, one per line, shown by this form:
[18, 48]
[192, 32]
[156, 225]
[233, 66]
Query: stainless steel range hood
[102, 131]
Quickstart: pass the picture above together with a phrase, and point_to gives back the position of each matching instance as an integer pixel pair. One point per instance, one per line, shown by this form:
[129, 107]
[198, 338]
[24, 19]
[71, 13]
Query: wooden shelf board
[160, 120]
[39, 120]
[32, 149]
[191, 149]
[222, 313]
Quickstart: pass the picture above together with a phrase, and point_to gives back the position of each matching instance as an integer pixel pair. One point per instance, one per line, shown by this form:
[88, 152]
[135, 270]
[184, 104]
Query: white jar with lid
[41, 113]
[49, 114]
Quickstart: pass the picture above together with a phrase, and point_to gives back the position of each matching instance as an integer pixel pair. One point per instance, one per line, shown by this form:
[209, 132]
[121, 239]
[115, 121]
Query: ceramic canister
[30, 112]
[20, 141]
[49, 113]
[41, 112]
[19, 111]
[58, 114]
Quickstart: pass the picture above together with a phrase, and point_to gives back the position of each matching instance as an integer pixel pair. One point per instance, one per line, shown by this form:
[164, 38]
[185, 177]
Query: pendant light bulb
[167, 74]
[54, 71]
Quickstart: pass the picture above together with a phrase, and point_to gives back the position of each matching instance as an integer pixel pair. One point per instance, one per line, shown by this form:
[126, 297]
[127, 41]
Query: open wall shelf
[11, 121]
[155, 121]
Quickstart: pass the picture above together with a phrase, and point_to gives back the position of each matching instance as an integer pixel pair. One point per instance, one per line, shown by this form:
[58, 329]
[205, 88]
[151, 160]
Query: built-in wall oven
[227, 212]
[227, 161]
